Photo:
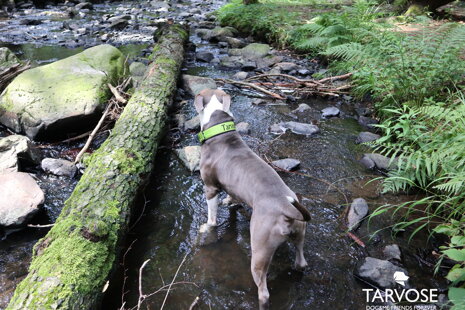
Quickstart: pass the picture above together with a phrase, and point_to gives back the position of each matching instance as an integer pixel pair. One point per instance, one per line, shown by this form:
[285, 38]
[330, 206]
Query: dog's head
[209, 101]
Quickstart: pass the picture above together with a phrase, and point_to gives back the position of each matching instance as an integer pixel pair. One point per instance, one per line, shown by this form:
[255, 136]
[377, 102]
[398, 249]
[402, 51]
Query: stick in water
[91, 136]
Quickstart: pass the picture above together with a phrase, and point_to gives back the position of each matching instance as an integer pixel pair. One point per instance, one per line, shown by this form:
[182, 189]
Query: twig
[251, 85]
[356, 239]
[123, 288]
[117, 95]
[175, 275]
[141, 214]
[335, 78]
[91, 136]
[194, 303]
[141, 295]
[40, 226]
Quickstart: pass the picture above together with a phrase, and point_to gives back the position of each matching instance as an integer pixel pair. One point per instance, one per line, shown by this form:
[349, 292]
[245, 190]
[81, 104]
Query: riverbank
[413, 70]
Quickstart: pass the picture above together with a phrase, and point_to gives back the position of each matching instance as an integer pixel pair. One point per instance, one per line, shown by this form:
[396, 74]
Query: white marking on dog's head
[290, 199]
[206, 109]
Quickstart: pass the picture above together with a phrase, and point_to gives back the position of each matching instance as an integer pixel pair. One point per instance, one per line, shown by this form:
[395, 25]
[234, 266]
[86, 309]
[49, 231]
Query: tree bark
[71, 264]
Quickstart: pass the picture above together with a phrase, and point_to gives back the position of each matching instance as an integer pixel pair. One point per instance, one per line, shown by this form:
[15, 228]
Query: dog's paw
[300, 266]
[205, 228]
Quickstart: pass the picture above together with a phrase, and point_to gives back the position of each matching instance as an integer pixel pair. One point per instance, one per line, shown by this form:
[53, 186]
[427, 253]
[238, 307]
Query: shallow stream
[173, 207]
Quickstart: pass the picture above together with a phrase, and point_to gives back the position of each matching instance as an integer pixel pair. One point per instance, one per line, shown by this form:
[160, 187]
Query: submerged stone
[63, 95]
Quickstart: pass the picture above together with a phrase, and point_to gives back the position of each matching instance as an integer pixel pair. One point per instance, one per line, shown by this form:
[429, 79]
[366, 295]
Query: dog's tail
[303, 214]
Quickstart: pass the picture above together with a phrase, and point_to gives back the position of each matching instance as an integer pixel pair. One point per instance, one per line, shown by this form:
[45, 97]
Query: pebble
[330, 112]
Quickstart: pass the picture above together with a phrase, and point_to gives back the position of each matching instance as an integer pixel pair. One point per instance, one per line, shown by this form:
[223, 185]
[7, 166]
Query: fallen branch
[321, 87]
[92, 135]
[74, 260]
[251, 85]
[117, 95]
[172, 281]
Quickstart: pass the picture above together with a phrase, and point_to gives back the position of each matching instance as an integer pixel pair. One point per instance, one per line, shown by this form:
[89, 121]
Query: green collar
[215, 131]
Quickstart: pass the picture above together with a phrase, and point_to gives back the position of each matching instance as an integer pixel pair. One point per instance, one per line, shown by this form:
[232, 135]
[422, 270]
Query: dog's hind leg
[263, 243]
[298, 240]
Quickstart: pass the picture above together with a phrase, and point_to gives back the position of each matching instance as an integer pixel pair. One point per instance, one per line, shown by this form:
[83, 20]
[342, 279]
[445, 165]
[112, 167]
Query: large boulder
[195, 84]
[61, 96]
[15, 149]
[20, 198]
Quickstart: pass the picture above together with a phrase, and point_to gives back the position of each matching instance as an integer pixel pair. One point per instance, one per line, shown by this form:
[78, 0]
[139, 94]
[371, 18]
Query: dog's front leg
[211, 193]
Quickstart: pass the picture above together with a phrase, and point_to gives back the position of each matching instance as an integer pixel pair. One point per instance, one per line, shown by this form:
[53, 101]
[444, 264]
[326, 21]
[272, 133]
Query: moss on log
[71, 264]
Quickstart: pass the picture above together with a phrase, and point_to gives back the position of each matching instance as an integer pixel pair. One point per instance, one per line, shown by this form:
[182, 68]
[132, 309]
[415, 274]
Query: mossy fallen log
[71, 264]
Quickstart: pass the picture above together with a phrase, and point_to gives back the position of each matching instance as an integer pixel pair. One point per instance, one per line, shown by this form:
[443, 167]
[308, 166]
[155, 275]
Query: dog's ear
[226, 102]
[198, 102]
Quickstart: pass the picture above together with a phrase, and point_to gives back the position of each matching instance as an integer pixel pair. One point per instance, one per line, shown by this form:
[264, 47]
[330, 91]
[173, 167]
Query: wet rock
[379, 272]
[119, 18]
[216, 34]
[7, 58]
[243, 128]
[15, 149]
[357, 212]
[301, 128]
[303, 72]
[302, 108]
[137, 69]
[159, 5]
[378, 161]
[119, 24]
[248, 65]
[20, 198]
[59, 167]
[288, 164]
[392, 251]
[62, 95]
[254, 51]
[366, 136]
[330, 112]
[195, 84]
[204, 56]
[286, 66]
[192, 124]
[84, 5]
[233, 42]
[260, 101]
[367, 121]
[190, 157]
[277, 129]
[30, 22]
[241, 75]
[104, 37]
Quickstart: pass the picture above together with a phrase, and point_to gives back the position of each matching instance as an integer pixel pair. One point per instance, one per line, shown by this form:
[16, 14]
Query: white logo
[400, 277]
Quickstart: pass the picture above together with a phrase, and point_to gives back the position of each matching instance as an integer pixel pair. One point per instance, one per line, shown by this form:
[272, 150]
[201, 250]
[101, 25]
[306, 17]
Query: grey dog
[228, 164]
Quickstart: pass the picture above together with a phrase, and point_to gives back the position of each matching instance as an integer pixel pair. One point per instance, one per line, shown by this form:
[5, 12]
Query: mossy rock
[7, 58]
[254, 51]
[65, 96]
